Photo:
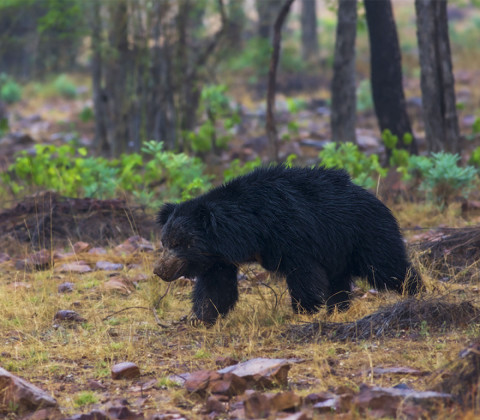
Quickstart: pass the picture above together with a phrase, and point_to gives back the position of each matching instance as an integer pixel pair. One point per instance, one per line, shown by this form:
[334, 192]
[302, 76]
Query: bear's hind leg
[308, 287]
[215, 292]
[340, 287]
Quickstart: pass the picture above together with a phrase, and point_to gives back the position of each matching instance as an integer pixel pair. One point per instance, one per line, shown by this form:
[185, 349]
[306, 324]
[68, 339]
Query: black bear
[311, 225]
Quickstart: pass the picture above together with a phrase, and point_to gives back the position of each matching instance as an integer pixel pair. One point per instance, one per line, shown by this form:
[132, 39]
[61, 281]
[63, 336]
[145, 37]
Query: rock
[225, 361]
[16, 392]
[327, 406]
[75, 267]
[108, 266]
[4, 257]
[261, 372]
[125, 370]
[319, 397]
[97, 251]
[261, 405]
[79, 247]
[66, 287]
[389, 402]
[51, 413]
[378, 371]
[118, 411]
[119, 284]
[19, 285]
[215, 405]
[197, 382]
[229, 384]
[41, 260]
[93, 415]
[69, 316]
[96, 385]
[133, 244]
[257, 405]
[284, 401]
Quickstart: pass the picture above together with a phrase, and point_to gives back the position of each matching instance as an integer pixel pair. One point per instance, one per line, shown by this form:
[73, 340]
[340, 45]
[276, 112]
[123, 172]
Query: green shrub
[236, 168]
[364, 170]
[10, 91]
[442, 178]
[364, 96]
[164, 175]
[215, 106]
[65, 87]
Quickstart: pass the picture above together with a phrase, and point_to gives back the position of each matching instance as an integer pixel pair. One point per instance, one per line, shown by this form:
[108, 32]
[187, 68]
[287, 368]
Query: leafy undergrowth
[71, 360]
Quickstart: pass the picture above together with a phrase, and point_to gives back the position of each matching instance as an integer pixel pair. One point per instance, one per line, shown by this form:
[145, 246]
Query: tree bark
[99, 105]
[343, 109]
[272, 76]
[116, 82]
[437, 81]
[310, 47]
[386, 72]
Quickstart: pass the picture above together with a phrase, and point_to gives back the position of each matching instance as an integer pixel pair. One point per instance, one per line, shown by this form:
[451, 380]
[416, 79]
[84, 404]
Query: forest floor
[332, 362]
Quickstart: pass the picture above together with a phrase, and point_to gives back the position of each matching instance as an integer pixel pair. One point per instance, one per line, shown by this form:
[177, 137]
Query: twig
[123, 310]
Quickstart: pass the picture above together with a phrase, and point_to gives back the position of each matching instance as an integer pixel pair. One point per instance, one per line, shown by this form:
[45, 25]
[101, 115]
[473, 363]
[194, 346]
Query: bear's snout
[168, 266]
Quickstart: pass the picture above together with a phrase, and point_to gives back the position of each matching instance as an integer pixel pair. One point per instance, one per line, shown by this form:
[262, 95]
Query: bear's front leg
[215, 292]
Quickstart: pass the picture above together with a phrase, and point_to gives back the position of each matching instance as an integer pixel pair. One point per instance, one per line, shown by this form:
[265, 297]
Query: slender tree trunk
[437, 81]
[117, 81]
[310, 47]
[272, 75]
[99, 98]
[343, 111]
[386, 72]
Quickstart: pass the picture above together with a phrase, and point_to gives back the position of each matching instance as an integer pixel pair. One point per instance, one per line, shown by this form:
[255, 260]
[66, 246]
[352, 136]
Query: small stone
[214, 405]
[19, 285]
[257, 405]
[118, 284]
[4, 257]
[96, 385]
[133, 244]
[98, 251]
[229, 385]
[197, 382]
[25, 397]
[283, 401]
[68, 315]
[93, 415]
[66, 287]
[125, 370]
[108, 266]
[76, 267]
[41, 260]
[79, 247]
[261, 372]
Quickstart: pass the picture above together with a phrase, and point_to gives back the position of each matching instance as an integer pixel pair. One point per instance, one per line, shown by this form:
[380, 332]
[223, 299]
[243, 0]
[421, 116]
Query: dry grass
[63, 360]
[379, 330]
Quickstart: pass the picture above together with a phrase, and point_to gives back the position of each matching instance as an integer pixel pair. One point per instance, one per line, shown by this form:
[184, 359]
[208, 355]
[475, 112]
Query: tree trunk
[99, 99]
[343, 111]
[310, 48]
[117, 83]
[437, 81]
[272, 75]
[386, 72]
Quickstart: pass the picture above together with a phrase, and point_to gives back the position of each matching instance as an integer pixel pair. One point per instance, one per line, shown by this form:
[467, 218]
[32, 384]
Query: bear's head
[187, 238]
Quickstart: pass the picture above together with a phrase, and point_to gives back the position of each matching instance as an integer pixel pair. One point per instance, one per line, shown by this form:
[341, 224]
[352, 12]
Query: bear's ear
[208, 218]
[165, 212]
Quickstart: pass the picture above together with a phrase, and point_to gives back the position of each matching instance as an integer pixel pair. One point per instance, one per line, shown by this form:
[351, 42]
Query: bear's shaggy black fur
[313, 226]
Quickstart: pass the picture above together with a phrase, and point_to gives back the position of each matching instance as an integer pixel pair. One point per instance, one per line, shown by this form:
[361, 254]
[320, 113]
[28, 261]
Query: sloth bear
[311, 225]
